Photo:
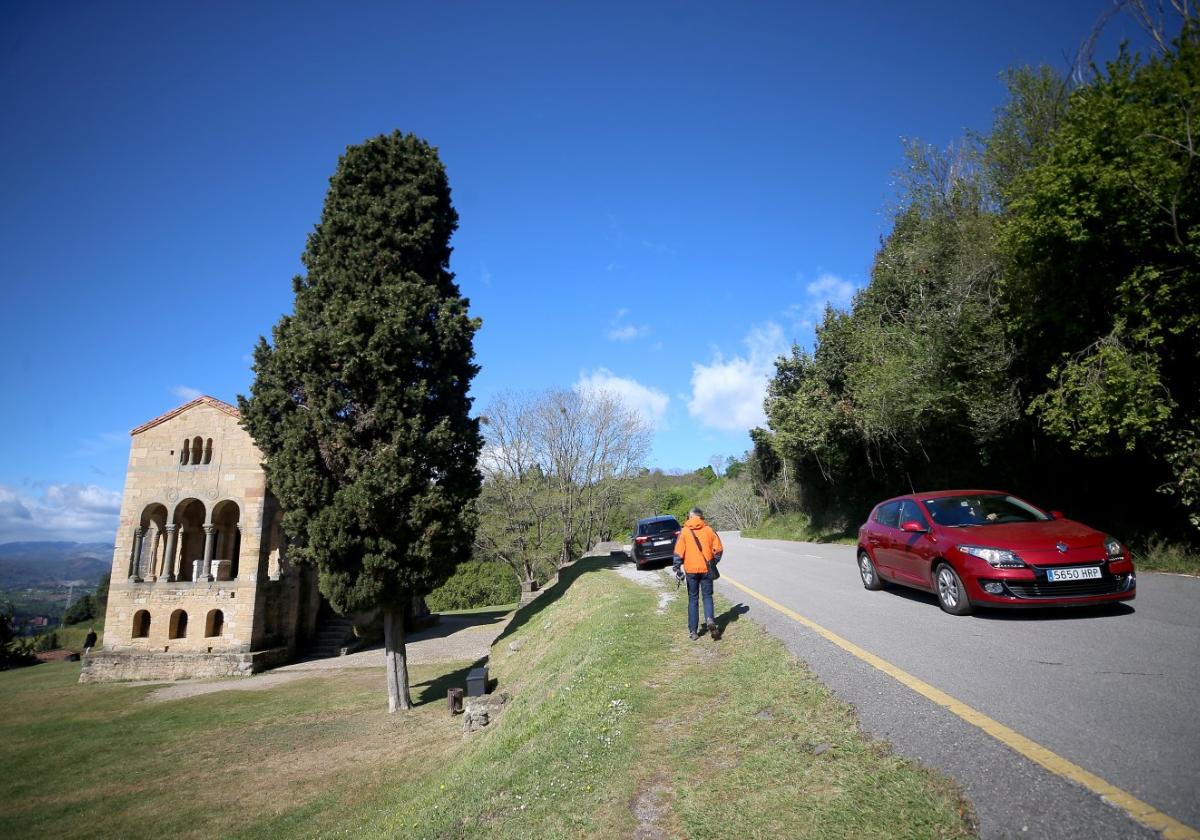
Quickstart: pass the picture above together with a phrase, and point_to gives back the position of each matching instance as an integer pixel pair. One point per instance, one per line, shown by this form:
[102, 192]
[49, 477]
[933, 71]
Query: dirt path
[455, 638]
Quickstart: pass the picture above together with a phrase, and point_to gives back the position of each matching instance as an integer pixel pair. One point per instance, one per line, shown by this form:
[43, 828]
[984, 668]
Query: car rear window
[661, 526]
[888, 515]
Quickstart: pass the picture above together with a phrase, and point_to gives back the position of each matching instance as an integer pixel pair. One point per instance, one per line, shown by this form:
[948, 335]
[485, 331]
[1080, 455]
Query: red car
[982, 548]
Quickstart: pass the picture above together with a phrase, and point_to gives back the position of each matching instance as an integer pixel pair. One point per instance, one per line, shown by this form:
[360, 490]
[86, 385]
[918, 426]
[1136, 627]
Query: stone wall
[160, 599]
[194, 539]
[106, 666]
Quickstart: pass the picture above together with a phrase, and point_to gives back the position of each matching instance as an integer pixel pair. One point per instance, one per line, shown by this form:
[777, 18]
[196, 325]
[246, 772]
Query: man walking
[697, 552]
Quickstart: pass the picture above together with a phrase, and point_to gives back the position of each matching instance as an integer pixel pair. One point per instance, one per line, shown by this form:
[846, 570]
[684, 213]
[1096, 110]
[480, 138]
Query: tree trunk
[397, 664]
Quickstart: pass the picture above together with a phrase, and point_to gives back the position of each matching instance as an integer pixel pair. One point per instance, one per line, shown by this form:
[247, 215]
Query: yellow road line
[1146, 814]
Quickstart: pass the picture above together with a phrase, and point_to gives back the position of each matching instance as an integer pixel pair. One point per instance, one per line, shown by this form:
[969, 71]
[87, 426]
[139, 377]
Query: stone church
[201, 585]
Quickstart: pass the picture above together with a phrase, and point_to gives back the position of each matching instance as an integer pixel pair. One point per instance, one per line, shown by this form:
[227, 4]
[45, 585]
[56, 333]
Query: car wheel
[951, 594]
[866, 569]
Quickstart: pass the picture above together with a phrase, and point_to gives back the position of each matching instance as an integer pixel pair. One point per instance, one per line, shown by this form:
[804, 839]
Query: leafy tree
[82, 610]
[734, 467]
[1103, 291]
[360, 402]
[475, 585]
[6, 627]
[101, 595]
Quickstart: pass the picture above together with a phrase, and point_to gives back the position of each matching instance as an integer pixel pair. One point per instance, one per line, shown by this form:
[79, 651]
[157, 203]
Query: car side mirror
[912, 526]
[1057, 514]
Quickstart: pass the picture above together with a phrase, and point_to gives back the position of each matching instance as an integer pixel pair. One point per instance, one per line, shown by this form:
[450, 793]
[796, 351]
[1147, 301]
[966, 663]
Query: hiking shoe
[693, 635]
[714, 630]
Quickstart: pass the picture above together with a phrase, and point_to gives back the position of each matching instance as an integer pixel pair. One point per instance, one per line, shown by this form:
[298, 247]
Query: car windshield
[661, 526]
[989, 509]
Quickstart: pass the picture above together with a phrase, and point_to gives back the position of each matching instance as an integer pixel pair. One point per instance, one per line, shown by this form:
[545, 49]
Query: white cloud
[727, 394]
[831, 289]
[827, 290]
[186, 393]
[648, 402]
[71, 512]
[621, 331]
[627, 332]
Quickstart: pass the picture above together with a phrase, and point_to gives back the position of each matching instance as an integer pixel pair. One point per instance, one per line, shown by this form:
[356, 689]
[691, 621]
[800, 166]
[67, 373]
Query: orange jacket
[695, 560]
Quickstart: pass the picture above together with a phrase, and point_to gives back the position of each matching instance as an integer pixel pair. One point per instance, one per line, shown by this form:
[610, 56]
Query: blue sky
[654, 198]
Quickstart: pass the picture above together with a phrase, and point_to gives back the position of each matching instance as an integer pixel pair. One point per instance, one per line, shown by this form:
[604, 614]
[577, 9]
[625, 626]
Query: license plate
[1055, 575]
[662, 542]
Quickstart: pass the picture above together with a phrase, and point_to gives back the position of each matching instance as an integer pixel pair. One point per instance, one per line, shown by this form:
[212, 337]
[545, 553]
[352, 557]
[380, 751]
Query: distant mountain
[46, 564]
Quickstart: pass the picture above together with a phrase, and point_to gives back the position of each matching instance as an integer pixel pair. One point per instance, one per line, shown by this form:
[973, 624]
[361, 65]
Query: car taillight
[640, 540]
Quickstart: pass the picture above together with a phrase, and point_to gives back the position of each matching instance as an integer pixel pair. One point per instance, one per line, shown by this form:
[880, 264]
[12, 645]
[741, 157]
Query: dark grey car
[654, 539]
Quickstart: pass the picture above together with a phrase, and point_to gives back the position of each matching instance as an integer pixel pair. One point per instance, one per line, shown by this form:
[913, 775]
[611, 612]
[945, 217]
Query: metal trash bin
[454, 698]
[477, 682]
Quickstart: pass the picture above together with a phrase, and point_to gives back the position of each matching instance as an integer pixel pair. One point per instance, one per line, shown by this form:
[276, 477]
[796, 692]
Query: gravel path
[455, 638]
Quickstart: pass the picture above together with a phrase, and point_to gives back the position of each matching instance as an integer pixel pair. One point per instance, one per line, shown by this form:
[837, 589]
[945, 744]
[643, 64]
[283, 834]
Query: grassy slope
[615, 716]
[796, 526]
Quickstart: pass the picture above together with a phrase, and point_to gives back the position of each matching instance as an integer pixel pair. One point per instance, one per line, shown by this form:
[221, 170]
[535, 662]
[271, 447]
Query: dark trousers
[699, 585]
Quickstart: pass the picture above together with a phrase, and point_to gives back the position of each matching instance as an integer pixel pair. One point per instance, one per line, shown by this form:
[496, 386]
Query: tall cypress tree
[360, 401]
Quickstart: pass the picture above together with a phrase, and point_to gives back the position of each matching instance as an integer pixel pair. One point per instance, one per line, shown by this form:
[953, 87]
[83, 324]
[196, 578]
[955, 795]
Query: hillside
[617, 727]
[49, 564]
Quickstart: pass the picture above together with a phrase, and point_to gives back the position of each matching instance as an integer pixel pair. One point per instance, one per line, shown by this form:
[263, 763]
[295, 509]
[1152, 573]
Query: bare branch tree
[736, 506]
[554, 466]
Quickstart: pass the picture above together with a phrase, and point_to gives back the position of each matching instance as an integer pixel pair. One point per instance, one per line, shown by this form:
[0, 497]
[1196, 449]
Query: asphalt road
[1115, 691]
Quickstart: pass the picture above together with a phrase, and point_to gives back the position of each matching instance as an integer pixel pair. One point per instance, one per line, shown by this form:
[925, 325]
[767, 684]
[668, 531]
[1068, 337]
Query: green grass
[1162, 556]
[612, 709]
[71, 637]
[796, 526]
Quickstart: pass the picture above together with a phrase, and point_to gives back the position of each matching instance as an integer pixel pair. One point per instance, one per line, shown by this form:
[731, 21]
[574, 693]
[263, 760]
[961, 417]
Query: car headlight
[1000, 558]
[1113, 549]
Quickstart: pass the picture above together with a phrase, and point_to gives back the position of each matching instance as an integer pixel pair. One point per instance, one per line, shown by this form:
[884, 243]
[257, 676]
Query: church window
[208, 451]
[215, 623]
[178, 627]
[141, 624]
[185, 454]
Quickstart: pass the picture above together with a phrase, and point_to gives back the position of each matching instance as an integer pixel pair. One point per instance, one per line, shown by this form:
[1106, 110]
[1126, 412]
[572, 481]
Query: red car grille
[1073, 589]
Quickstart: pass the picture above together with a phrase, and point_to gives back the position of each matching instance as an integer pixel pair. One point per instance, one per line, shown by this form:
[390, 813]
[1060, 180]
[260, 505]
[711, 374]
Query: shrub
[82, 610]
[1163, 556]
[475, 585]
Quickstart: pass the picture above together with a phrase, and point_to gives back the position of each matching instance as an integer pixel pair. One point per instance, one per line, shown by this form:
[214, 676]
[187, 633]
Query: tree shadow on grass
[449, 623]
[566, 576]
[436, 689]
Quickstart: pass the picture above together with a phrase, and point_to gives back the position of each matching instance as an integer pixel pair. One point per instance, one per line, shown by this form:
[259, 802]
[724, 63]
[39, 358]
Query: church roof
[201, 400]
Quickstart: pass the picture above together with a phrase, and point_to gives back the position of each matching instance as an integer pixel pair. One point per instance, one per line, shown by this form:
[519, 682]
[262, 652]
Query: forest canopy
[1031, 320]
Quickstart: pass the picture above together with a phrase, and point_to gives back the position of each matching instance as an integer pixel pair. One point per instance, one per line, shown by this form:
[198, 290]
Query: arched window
[141, 624]
[185, 454]
[178, 627]
[197, 449]
[215, 623]
[208, 451]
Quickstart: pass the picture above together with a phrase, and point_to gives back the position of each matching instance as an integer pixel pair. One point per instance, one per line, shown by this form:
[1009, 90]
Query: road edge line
[1142, 812]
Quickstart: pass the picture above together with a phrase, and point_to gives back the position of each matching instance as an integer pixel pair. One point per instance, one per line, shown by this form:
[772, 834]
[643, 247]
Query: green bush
[1160, 555]
[46, 641]
[82, 610]
[475, 585]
